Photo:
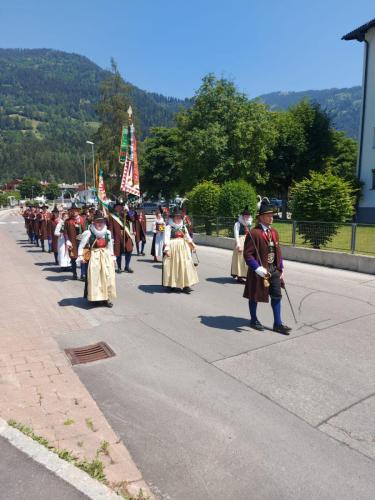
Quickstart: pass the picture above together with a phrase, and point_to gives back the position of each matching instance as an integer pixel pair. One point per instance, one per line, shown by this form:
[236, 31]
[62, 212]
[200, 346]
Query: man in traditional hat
[73, 229]
[241, 229]
[122, 240]
[139, 230]
[36, 224]
[262, 254]
[96, 247]
[44, 228]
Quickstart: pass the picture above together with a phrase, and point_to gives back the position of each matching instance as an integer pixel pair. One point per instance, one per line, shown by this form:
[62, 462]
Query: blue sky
[167, 46]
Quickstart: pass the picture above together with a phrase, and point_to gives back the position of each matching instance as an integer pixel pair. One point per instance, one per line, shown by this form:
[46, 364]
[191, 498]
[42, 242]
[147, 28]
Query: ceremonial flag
[130, 177]
[102, 195]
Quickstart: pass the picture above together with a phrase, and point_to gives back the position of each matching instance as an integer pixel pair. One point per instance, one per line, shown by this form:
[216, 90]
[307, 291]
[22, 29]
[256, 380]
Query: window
[373, 178]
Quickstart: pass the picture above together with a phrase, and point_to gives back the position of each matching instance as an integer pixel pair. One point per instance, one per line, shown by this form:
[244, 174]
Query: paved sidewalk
[38, 387]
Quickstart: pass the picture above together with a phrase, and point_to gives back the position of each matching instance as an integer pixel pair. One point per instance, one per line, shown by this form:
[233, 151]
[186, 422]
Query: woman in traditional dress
[96, 246]
[55, 217]
[241, 229]
[63, 257]
[178, 267]
[158, 229]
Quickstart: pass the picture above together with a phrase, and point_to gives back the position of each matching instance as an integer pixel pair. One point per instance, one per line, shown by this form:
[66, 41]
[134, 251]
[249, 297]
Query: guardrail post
[354, 237]
[294, 231]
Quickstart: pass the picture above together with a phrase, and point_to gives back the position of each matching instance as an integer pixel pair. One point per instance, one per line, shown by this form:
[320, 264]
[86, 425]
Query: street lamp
[84, 170]
[93, 161]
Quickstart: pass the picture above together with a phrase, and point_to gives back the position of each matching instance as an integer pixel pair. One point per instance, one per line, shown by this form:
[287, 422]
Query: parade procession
[187, 248]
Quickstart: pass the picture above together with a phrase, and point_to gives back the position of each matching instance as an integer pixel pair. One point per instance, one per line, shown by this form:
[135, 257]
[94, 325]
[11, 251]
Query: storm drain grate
[89, 353]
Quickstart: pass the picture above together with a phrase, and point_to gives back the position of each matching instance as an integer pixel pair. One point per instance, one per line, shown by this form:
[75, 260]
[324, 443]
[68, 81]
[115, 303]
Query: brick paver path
[38, 386]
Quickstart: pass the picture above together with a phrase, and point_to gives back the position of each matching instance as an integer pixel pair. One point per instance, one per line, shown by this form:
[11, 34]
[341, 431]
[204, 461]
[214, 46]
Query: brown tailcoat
[71, 234]
[254, 288]
[122, 242]
[139, 227]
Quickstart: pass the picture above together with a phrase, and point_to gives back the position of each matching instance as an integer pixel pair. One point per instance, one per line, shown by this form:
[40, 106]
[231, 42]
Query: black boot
[257, 325]
[282, 329]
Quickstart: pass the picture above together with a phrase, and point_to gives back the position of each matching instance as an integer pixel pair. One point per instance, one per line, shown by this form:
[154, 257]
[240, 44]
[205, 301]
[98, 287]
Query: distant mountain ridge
[68, 84]
[343, 105]
[47, 111]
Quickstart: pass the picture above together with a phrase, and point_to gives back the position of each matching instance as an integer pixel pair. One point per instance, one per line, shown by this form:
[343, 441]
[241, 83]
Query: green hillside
[343, 105]
[47, 111]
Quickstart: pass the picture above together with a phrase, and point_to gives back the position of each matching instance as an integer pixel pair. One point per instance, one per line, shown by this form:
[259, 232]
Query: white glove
[79, 259]
[261, 271]
[238, 248]
[69, 244]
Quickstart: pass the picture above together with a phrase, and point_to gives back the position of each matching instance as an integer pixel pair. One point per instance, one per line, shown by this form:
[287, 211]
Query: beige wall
[368, 150]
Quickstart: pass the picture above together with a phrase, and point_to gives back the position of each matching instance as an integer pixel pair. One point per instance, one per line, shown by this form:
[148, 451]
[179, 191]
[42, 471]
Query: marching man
[265, 268]
[96, 248]
[241, 229]
[178, 267]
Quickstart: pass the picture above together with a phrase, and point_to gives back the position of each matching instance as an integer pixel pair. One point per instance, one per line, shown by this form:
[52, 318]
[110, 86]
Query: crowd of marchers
[100, 244]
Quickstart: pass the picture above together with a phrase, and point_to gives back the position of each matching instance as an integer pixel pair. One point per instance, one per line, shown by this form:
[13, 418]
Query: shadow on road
[152, 289]
[157, 266]
[58, 278]
[145, 260]
[55, 269]
[79, 302]
[222, 280]
[44, 264]
[225, 322]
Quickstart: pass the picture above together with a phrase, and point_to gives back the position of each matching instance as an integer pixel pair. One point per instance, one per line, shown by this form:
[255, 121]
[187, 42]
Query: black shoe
[82, 278]
[143, 254]
[282, 329]
[118, 271]
[128, 270]
[108, 303]
[187, 289]
[257, 325]
[75, 277]
[241, 280]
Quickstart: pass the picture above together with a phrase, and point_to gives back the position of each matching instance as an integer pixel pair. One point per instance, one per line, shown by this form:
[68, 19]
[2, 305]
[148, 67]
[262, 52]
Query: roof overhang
[359, 33]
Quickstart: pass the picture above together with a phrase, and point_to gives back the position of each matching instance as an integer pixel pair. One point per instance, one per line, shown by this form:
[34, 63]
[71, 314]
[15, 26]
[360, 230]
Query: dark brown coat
[53, 223]
[140, 227]
[254, 288]
[44, 226]
[122, 241]
[71, 233]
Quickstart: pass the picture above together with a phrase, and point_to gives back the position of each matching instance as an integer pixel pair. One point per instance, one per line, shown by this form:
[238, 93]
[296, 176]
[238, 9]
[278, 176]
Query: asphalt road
[23, 479]
[210, 409]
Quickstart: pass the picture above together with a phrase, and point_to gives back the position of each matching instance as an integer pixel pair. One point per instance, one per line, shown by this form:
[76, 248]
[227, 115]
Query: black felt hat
[246, 211]
[99, 217]
[265, 207]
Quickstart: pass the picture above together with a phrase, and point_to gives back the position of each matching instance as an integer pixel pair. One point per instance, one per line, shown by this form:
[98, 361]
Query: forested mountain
[343, 105]
[47, 111]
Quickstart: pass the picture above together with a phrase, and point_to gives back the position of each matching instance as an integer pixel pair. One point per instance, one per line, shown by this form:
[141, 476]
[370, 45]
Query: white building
[366, 155]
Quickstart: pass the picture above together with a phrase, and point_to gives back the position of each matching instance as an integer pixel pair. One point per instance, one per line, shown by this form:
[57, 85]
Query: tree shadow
[225, 322]
[153, 289]
[223, 280]
[79, 302]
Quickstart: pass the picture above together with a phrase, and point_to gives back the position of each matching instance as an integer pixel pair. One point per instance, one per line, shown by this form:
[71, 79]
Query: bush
[235, 196]
[203, 202]
[323, 197]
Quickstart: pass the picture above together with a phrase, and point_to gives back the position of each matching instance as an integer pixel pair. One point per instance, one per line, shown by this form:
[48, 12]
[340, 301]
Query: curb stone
[64, 470]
